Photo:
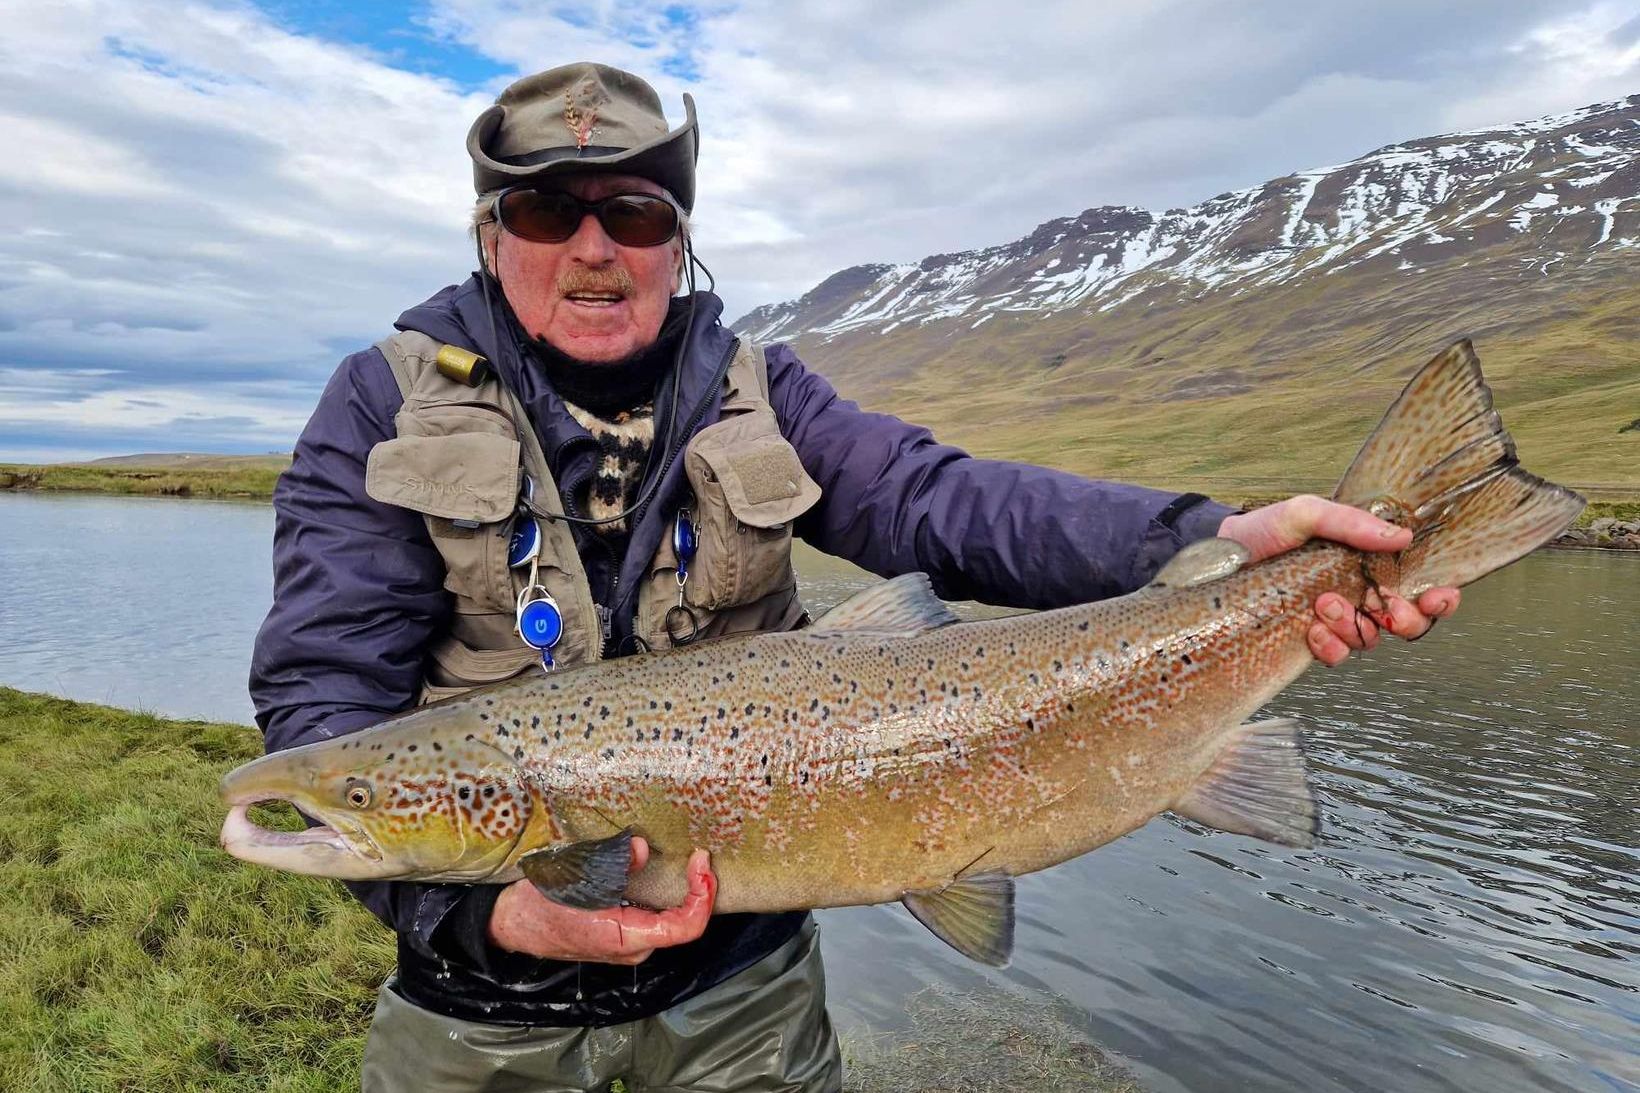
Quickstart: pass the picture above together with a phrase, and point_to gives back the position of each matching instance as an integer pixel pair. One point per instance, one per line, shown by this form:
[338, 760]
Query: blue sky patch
[395, 31]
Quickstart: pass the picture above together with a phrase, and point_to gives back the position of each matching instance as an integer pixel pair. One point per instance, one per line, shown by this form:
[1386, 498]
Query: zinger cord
[673, 444]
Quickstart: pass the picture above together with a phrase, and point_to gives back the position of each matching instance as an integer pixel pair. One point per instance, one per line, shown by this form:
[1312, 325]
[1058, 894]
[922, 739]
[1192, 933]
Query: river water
[1470, 919]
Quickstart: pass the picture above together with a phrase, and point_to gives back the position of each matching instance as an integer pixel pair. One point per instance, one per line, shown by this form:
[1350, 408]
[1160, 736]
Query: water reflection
[1470, 920]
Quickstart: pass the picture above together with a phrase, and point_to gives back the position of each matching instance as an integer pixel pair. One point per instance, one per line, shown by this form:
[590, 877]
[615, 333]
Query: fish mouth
[344, 851]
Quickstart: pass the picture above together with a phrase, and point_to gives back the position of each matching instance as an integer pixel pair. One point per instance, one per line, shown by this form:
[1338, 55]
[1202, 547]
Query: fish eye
[358, 793]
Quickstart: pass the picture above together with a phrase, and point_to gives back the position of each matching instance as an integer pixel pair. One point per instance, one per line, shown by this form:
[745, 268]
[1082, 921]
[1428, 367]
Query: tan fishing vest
[457, 460]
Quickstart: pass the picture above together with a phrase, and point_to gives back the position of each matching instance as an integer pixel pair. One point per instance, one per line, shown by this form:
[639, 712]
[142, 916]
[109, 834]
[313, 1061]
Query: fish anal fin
[899, 607]
[1258, 787]
[973, 914]
[587, 875]
[1202, 561]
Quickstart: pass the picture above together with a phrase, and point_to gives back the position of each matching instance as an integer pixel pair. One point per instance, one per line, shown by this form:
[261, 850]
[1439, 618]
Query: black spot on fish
[501, 730]
[677, 734]
[629, 721]
[814, 704]
[1164, 677]
[412, 747]
[1125, 644]
[518, 723]
[1082, 626]
[721, 713]
[1217, 603]
[715, 681]
[1034, 678]
[464, 792]
[768, 779]
[470, 738]
[390, 755]
[506, 812]
[557, 734]
[489, 791]
[667, 704]
[543, 738]
[489, 702]
[835, 678]
[587, 702]
[603, 711]
[655, 734]
[609, 753]
[750, 707]
[1030, 723]
[518, 753]
[980, 651]
[853, 686]
[1058, 666]
[962, 665]
[588, 734]
[437, 746]
[764, 761]
[1185, 657]
[784, 663]
[803, 778]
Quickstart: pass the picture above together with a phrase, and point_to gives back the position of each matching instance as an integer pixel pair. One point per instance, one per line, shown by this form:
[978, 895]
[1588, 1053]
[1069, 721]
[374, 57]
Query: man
[611, 426]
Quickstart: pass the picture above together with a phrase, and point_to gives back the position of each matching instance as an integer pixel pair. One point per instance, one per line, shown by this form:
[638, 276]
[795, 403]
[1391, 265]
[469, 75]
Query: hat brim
[668, 161]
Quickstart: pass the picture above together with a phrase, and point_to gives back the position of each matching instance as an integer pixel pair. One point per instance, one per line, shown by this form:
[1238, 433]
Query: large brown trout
[890, 752]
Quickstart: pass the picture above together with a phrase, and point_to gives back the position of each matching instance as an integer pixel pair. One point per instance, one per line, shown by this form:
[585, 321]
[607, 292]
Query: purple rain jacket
[359, 591]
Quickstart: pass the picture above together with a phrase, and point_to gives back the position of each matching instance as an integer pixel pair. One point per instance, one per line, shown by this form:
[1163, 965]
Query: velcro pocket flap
[763, 481]
[464, 476]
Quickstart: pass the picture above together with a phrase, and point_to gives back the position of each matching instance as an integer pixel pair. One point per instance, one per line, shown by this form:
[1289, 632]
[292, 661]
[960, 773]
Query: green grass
[249, 477]
[136, 956]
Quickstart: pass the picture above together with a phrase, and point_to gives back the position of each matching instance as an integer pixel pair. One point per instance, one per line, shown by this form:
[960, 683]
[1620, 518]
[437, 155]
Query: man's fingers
[640, 852]
[643, 929]
[1345, 623]
[1326, 646]
[1405, 620]
[1352, 527]
[1439, 603]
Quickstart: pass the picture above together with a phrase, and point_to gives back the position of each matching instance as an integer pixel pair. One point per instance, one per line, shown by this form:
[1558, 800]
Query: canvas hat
[583, 117]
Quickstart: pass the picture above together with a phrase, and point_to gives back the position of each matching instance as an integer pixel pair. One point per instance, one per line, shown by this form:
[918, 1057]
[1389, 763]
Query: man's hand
[525, 921]
[1275, 529]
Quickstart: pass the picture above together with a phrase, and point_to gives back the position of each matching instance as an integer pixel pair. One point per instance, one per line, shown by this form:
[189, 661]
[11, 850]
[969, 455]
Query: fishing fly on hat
[578, 118]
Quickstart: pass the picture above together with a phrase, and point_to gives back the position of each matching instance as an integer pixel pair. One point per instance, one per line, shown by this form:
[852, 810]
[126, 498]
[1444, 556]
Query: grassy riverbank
[138, 956]
[252, 477]
[249, 477]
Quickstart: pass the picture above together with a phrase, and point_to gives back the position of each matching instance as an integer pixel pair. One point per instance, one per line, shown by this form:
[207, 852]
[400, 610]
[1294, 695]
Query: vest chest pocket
[467, 477]
[749, 486]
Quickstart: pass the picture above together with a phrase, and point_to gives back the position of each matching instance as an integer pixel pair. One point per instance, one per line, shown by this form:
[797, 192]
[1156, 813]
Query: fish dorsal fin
[973, 914]
[1257, 786]
[1202, 561]
[587, 875]
[899, 607]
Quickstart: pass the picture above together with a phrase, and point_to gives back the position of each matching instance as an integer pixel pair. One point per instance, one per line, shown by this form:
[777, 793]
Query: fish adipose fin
[587, 875]
[1257, 787]
[1200, 562]
[899, 607]
[1441, 463]
[973, 914]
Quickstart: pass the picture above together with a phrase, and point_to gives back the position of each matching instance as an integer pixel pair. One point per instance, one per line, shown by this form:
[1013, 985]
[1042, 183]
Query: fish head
[387, 805]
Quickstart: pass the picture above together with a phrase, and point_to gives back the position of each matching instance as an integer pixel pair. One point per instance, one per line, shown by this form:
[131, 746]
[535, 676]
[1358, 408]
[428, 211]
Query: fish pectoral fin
[1258, 787]
[973, 914]
[1202, 561]
[587, 875]
[899, 607]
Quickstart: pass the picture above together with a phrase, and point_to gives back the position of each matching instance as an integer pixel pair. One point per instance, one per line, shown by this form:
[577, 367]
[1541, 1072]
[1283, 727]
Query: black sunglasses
[552, 216]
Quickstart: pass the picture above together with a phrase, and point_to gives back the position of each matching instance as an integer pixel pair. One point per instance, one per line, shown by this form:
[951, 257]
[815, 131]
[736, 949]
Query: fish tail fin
[1441, 463]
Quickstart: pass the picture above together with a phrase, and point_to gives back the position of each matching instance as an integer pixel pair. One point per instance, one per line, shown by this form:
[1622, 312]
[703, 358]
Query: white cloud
[212, 207]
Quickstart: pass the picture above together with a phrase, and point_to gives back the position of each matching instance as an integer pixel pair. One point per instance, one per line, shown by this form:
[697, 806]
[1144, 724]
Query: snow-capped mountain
[1570, 183]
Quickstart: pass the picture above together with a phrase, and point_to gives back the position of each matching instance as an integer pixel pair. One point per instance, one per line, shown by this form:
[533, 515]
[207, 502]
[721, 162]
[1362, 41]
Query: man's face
[589, 297]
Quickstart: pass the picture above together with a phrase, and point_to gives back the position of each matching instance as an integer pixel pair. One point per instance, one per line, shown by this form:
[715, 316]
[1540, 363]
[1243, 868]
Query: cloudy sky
[207, 204]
